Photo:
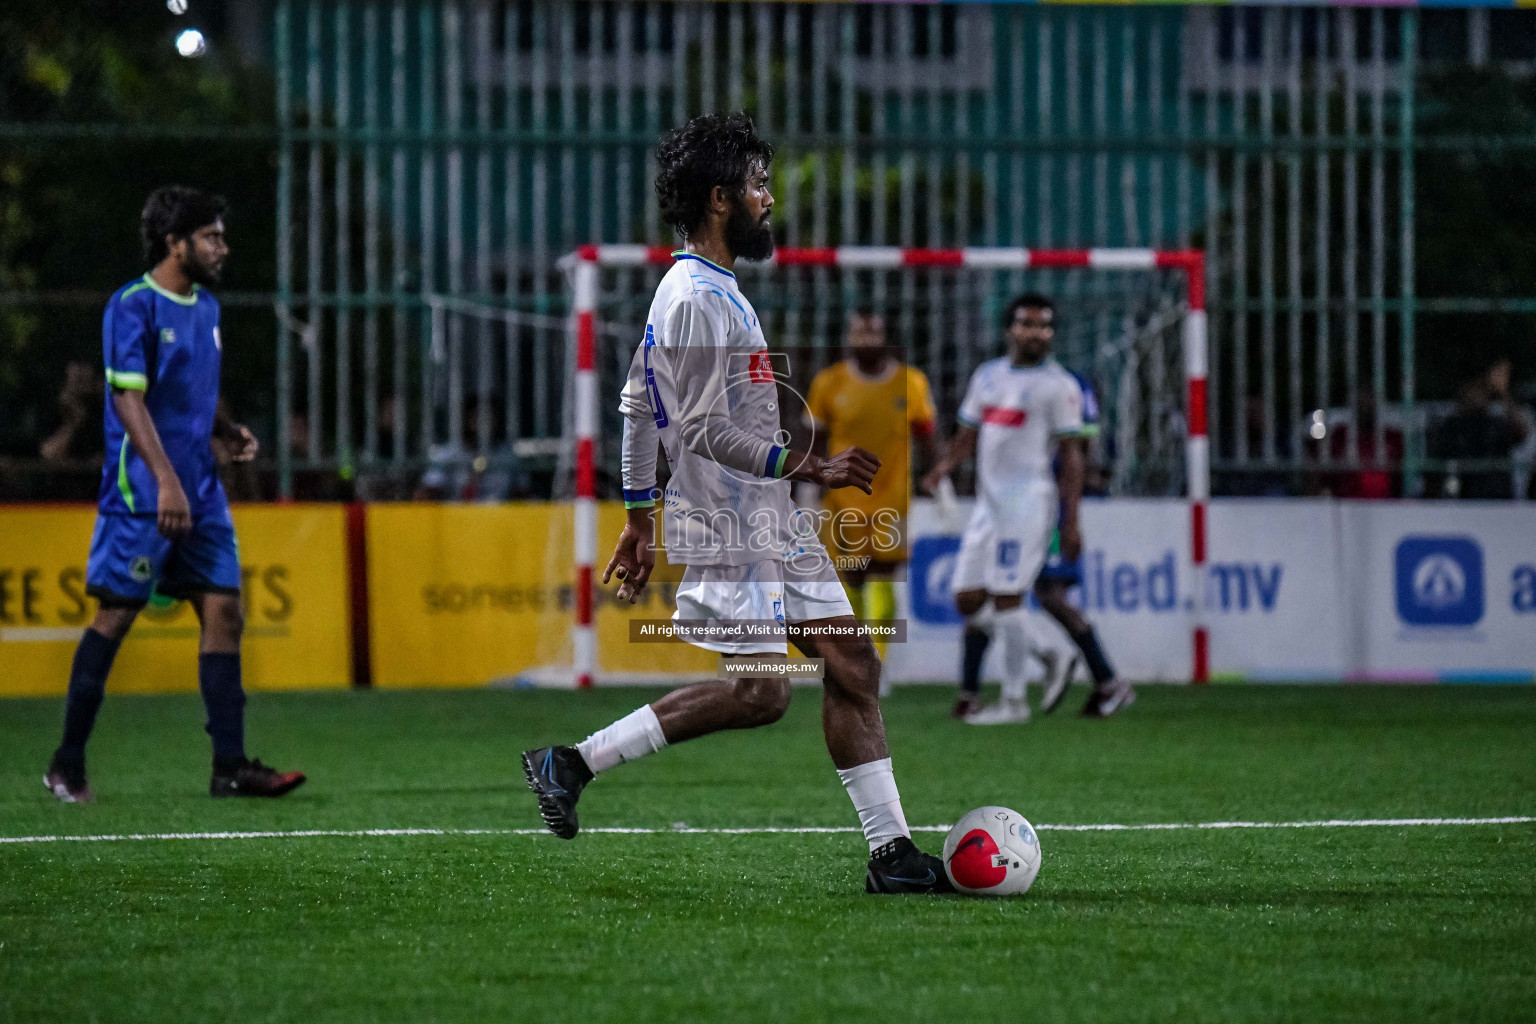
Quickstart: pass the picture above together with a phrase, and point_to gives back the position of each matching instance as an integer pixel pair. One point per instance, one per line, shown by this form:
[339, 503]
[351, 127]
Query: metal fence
[429, 153]
[460, 148]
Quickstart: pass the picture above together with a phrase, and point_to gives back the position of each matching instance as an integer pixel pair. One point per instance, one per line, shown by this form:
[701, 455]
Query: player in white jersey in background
[702, 386]
[1015, 411]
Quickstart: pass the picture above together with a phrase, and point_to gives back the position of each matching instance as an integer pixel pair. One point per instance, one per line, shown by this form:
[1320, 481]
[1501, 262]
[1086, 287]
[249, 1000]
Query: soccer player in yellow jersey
[875, 401]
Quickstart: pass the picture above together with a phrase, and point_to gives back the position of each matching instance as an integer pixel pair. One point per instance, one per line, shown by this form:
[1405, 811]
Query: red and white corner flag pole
[1198, 457]
[583, 640]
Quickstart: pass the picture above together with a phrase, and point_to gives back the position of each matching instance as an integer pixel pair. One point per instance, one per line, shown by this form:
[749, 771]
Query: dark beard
[747, 239]
[198, 273]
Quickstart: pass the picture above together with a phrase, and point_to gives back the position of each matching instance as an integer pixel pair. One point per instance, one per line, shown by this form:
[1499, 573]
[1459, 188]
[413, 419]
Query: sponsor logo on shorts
[1008, 552]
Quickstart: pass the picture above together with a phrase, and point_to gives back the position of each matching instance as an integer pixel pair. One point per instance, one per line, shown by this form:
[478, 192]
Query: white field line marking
[805, 830]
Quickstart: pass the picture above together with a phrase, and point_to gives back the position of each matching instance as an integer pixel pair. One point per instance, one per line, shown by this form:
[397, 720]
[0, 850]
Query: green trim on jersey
[127, 381]
[137, 286]
[778, 469]
[123, 486]
[1086, 430]
[681, 253]
[183, 300]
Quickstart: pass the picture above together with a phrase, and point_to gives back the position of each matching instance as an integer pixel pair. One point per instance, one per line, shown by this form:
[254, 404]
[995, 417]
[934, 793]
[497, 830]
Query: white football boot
[1004, 712]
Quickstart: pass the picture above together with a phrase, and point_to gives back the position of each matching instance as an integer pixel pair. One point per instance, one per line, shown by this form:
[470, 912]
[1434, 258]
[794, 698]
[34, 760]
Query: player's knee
[1052, 601]
[766, 700]
[225, 618]
[113, 621]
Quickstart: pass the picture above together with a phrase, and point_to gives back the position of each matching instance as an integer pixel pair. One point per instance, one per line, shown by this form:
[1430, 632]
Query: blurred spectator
[312, 484]
[384, 435]
[1375, 478]
[239, 478]
[80, 410]
[458, 472]
[1256, 481]
[1485, 426]
[69, 468]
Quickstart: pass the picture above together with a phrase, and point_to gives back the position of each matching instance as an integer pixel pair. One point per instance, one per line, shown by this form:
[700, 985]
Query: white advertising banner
[1304, 589]
[1444, 591]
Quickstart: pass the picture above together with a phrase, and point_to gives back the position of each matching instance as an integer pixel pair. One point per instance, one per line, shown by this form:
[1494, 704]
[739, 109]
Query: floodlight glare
[191, 43]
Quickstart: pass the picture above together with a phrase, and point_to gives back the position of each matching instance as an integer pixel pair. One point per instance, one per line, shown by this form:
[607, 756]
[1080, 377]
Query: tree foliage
[70, 198]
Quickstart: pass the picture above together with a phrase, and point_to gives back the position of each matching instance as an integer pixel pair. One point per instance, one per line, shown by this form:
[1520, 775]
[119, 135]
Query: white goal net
[1121, 326]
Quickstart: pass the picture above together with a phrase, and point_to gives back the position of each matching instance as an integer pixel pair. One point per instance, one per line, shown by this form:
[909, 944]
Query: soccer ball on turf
[992, 851]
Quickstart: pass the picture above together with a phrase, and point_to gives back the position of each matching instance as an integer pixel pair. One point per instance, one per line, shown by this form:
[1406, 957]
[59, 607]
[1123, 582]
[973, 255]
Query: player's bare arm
[174, 513]
[634, 555]
[235, 438]
[851, 467]
[1072, 454]
[818, 447]
[960, 448]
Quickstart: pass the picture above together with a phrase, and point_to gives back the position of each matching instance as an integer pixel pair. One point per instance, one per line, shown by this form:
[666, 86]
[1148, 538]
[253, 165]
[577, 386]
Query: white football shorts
[743, 608]
[1007, 539]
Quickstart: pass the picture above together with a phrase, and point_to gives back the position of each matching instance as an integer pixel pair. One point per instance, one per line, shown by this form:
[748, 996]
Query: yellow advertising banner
[293, 560]
[462, 595]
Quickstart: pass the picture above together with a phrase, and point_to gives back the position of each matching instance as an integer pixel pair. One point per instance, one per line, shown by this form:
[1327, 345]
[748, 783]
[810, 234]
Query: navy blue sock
[218, 676]
[87, 687]
[1093, 654]
[976, 642]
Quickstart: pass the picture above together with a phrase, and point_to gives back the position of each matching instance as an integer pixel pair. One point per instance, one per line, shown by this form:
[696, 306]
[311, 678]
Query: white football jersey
[702, 380]
[1018, 413]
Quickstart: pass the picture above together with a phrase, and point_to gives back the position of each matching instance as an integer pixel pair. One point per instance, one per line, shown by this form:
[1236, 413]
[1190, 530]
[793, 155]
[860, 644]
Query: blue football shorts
[130, 560]
[1058, 569]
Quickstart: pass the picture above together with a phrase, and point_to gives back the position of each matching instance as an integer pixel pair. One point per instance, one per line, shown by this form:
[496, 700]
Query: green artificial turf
[1383, 923]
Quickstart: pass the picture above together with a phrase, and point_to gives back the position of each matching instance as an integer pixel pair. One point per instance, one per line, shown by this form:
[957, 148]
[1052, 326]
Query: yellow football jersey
[877, 414]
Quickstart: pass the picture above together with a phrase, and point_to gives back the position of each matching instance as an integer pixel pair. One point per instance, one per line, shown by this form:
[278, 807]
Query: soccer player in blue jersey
[163, 523]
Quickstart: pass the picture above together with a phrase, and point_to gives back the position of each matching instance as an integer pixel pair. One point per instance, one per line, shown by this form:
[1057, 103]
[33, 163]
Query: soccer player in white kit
[702, 385]
[1015, 410]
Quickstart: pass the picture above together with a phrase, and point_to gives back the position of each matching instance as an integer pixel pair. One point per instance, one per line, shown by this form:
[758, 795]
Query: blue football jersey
[1090, 426]
[167, 346]
[1090, 406]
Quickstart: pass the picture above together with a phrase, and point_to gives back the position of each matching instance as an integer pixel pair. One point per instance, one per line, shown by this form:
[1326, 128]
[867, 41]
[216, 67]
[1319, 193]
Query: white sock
[872, 788]
[633, 736]
[1014, 631]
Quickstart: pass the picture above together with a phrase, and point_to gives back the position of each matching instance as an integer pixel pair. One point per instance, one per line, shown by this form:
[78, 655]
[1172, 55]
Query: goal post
[584, 269]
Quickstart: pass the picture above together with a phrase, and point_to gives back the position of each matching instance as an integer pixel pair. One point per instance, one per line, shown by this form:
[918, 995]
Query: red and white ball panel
[992, 851]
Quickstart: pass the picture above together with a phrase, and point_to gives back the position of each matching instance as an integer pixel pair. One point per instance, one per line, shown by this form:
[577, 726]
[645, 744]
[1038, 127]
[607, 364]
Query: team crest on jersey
[140, 569]
[167, 336]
